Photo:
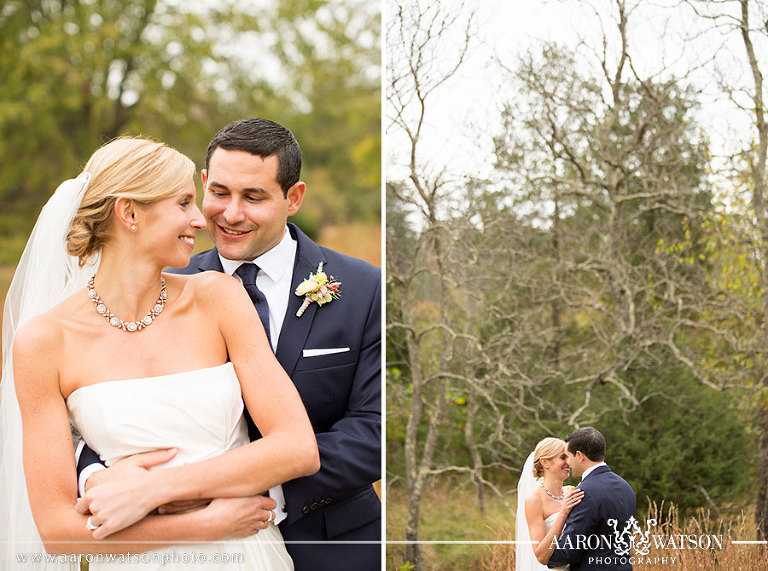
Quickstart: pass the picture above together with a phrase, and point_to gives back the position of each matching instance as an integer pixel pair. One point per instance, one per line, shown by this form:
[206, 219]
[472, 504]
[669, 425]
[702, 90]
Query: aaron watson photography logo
[631, 544]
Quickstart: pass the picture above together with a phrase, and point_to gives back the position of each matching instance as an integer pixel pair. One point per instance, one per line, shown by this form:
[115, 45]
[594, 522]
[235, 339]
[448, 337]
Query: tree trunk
[757, 174]
[412, 548]
[477, 460]
[761, 507]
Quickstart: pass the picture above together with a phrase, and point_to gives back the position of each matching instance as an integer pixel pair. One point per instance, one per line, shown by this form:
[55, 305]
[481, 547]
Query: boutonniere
[319, 288]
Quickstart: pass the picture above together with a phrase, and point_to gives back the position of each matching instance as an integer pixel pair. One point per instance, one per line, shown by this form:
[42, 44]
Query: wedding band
[89, 525]
[271, 517]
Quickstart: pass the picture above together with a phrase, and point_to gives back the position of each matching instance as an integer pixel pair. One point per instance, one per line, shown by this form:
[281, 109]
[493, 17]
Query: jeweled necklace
[550, 494]
[128, 326]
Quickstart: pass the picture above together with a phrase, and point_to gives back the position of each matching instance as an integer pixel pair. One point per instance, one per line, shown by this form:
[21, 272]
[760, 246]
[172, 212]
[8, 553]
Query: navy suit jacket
[342, 395]
[606, 496]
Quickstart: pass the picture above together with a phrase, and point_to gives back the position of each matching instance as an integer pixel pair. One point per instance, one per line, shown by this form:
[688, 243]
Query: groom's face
[577, 469]
[243, 204]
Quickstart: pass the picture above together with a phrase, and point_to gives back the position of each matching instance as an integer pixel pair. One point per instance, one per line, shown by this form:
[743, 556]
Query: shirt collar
[589, 470]
[272, 262]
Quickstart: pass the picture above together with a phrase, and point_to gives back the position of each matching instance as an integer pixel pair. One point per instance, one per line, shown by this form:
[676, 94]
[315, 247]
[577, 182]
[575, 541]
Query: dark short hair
[263, 138]
[589, 441]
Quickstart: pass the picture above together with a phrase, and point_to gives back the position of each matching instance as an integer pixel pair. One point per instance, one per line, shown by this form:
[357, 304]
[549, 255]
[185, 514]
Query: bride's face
[169, 226]
[559, 466]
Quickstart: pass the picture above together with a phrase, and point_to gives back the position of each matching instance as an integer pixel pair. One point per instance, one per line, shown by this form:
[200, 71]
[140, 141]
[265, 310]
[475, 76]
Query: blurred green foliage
[76, 73]
[685, 445]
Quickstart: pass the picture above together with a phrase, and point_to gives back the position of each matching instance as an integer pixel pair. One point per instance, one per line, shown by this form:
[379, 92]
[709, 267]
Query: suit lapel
[295, 330]
[210, 261]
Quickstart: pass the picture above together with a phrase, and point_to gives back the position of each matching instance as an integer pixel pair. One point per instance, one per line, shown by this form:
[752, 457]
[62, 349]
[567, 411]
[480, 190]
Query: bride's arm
[49, 467]
[534, 515]
[287, 449]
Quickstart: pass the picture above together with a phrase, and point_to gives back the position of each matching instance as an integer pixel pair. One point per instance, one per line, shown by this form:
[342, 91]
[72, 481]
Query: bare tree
[609, 165]
[427, 46]
[746, 23]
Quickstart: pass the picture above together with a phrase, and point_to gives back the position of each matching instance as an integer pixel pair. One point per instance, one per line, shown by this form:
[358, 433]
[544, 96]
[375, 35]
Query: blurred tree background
[75, 73]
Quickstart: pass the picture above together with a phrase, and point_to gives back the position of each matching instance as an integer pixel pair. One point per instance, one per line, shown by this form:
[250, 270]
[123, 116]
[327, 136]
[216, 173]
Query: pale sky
[465, 112]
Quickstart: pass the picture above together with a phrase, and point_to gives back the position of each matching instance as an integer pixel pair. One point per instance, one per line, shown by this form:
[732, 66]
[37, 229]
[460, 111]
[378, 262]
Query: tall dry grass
[449, 513]
[732, 556]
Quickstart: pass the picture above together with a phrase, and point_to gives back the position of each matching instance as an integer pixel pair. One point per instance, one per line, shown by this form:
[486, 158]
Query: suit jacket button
[305, 510]
[313, 507]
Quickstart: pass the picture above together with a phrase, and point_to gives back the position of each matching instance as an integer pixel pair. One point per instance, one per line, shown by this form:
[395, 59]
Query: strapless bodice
[548, 522]
[199, 412]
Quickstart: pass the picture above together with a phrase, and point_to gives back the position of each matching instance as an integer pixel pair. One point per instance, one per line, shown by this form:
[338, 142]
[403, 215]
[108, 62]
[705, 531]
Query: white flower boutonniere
[319, 288]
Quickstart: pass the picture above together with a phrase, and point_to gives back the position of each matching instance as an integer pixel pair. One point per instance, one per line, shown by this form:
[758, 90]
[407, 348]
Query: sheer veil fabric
[525, 560]
[45, 276]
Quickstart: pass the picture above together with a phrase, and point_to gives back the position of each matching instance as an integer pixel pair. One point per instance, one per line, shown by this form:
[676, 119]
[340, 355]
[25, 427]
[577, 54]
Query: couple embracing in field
[567, 528]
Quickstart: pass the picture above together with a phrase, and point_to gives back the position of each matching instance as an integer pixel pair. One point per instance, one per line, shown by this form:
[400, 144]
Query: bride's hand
[125, 496]
[241, 517]
[572, 499]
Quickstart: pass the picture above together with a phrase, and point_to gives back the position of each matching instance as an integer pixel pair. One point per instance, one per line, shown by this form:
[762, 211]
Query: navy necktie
[248, 273]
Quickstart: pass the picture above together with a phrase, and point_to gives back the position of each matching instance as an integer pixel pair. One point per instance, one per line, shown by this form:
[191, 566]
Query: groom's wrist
[85, 480]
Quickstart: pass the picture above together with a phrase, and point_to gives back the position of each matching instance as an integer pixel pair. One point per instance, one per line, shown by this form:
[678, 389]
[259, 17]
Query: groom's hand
[126, 468]
[232, 518]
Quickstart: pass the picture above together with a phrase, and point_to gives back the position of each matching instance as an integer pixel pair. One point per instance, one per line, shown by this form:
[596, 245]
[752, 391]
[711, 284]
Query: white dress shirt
[274, 281]
[589, 470]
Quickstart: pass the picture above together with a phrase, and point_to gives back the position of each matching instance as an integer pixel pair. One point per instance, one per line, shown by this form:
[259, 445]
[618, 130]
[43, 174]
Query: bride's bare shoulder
[209, 291]
[534, 499]
[46, 330]
[38, 341]
[202, 284]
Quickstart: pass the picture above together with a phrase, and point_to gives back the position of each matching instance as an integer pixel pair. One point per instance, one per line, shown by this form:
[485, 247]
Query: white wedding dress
[200, 413]
[548, 523]
[525, 560]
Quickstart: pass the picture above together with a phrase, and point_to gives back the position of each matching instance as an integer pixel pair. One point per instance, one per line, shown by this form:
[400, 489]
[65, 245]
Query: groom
[332, 520]
[586, 542]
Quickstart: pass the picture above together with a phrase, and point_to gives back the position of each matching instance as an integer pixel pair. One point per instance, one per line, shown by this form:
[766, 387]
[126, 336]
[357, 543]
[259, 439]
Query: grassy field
[358, 239]
[450, 513]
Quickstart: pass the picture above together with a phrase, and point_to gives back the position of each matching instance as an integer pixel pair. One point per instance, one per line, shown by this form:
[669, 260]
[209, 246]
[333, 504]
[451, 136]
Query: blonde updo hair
[130, 167]
[546, 450]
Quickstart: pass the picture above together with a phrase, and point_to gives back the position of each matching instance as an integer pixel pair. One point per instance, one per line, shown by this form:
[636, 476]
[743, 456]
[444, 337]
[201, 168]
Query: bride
[543, 504]
[139, 360]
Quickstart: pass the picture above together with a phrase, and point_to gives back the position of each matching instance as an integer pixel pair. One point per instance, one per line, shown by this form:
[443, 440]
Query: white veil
[525, 560]
[45, 275]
